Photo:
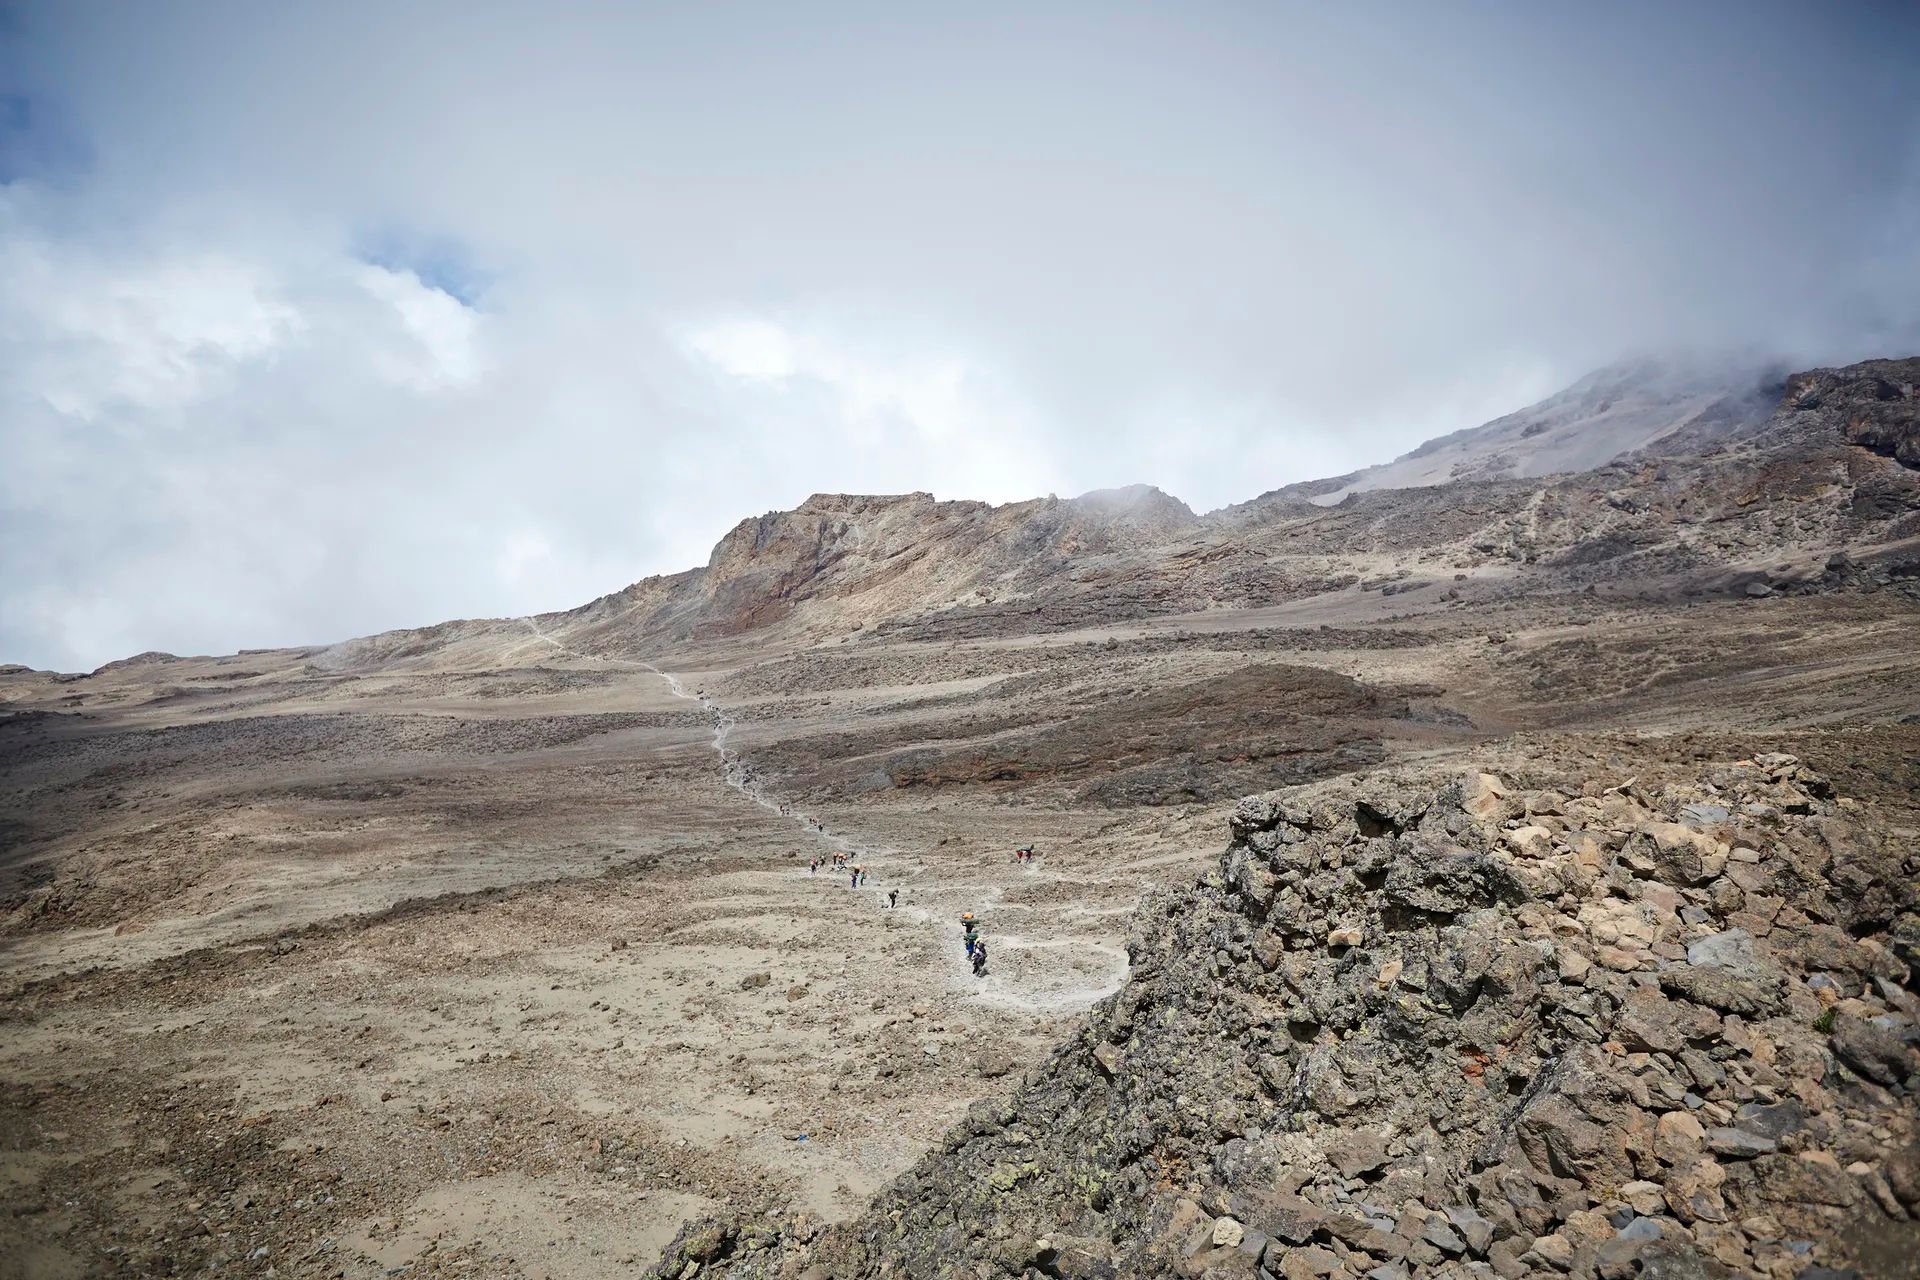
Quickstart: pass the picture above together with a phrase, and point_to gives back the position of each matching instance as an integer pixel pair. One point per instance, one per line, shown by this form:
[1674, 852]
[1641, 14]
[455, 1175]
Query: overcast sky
[320, 319]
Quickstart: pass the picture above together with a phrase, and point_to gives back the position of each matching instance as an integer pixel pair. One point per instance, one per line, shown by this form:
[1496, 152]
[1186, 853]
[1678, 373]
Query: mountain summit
[1666, 405]
[1665, 479]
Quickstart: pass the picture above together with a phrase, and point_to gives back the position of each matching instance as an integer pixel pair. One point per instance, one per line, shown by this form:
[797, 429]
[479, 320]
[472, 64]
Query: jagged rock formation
[1706, 494]
[1880, 401]
[1474, 1030]
[884, 549]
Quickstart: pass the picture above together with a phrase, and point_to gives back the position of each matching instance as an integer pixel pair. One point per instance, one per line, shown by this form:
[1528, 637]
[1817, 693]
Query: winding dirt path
[983, 898]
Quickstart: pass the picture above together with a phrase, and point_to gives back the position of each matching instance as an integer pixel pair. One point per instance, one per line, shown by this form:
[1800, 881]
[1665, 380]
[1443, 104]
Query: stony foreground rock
[1603, 1031]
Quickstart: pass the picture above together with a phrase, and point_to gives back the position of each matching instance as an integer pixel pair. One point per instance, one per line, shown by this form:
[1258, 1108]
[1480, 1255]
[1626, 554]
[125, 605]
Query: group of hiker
[974, 945]
[742, 775]
[856, 873]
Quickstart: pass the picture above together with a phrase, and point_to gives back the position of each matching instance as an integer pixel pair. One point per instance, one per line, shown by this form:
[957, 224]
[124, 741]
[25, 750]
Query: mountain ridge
[1729, 509]
[839, 563]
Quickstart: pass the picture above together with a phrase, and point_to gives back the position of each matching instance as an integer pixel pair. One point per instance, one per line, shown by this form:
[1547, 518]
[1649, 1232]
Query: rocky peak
[1138, 502]
[863, 504]
[790, 539]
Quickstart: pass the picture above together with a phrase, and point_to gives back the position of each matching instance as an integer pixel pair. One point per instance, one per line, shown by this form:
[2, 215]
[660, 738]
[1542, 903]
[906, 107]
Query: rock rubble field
[1612, 1030]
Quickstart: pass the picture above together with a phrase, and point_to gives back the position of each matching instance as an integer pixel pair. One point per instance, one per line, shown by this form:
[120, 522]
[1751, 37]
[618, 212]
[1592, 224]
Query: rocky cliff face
[1877, 404]
[1598, 1031]
[865, 557]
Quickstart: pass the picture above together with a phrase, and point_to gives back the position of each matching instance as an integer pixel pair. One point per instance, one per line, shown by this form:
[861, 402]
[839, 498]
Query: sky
[322, 319]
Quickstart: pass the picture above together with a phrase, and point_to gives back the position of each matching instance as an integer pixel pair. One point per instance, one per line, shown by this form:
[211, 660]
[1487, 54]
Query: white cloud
[103, 329]
[726, 263]
[758, 350]
[444, 351]
[521, 551]
[902, 414]
[935, 395]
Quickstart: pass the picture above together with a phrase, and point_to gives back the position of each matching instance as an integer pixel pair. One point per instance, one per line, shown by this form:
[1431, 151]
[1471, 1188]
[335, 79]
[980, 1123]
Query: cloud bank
[317, 320]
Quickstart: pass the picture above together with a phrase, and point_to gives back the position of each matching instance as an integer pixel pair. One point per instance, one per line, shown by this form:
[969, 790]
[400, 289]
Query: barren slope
[492, 948]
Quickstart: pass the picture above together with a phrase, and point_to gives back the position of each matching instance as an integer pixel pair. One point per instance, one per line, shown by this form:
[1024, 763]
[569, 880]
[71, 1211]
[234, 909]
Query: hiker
[854, 882]
[893, 898]
[813, 866]
[970, 930]
[863, 874]
[979, 957]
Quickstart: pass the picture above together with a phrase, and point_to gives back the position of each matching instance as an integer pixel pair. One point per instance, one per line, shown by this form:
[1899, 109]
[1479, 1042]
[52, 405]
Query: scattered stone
[1738, 1144]
[1483, 795]
[1476, 1230]
[1703, 815]
[1774, 1121]
[1871, 1049]
[1554, 1250]
[1443, 1237]
[1649, 1023]
[1574, 967]
[1309, 1263]
[1693, 1192]
[1641, 1229]
[1644, 1197]
[1291, 1219]
[1357, 1152]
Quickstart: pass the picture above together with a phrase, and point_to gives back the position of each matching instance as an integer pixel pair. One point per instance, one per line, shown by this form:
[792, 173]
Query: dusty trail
[985, 899]
[994, 988]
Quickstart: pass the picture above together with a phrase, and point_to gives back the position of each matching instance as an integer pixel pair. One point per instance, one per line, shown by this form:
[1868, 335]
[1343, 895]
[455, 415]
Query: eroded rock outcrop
[1466, 1030]
[1876, 404]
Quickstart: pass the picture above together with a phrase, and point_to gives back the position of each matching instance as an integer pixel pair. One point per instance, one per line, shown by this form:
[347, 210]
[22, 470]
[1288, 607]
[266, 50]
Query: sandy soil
[508, 967]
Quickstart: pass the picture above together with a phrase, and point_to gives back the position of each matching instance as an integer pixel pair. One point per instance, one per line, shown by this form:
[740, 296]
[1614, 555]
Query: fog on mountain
[548, 730]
